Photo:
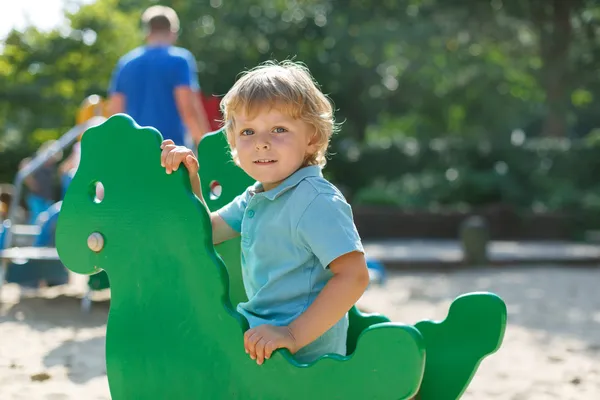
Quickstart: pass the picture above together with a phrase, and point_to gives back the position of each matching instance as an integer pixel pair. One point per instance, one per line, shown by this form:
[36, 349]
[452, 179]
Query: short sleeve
[233, 213]
[186, 71]
[327, 228]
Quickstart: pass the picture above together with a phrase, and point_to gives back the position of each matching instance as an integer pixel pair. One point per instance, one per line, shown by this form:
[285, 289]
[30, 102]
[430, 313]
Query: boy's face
[271, 145]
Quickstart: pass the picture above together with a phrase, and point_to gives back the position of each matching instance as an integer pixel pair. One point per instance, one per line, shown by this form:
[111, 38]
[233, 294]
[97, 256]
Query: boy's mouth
[265, 161]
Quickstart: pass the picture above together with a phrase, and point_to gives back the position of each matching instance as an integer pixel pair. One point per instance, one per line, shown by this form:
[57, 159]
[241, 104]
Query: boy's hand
[173, 155]
[262, 341]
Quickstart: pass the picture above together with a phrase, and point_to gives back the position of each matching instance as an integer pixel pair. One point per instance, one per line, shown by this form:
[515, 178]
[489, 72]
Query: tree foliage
[394, 68]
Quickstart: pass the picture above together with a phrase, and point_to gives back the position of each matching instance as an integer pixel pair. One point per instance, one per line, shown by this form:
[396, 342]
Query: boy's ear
[313, 139]
[312, 144]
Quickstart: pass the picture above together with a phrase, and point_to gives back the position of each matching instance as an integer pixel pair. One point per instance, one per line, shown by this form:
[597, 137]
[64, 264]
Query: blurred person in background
[41, 184]
[157, 84]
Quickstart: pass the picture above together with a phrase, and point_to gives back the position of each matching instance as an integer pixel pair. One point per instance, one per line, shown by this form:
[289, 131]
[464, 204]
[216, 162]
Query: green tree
[45, 76]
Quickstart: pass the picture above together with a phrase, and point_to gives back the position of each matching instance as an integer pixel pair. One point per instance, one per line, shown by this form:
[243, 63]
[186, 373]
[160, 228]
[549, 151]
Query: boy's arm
[349, 282]
[221, 231]
[171, 158]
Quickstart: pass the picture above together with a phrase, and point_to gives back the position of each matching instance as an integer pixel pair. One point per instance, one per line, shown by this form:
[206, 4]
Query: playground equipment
[172, 328]
[27, 265]
[211, 107]
[28, 271]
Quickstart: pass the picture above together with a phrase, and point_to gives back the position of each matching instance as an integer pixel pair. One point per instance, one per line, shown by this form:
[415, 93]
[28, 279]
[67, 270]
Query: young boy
[303, 263]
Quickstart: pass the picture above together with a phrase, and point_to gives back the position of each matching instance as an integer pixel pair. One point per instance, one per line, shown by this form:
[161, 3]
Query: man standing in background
[157, 84]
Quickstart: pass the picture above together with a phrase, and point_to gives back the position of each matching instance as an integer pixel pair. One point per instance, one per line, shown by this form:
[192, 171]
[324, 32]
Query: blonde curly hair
[288, 87]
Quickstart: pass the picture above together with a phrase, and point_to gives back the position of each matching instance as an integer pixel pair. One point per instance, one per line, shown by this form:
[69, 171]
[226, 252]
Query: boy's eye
[247, 132]
[279, 130]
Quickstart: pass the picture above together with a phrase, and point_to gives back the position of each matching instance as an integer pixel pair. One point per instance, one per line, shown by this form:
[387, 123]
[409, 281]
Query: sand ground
[50, 350]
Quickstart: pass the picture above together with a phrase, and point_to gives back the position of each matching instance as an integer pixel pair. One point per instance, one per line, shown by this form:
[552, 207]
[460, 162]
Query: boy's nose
[262, 144]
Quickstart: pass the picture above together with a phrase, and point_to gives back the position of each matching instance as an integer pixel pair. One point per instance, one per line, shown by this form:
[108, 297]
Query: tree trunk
[553, 21]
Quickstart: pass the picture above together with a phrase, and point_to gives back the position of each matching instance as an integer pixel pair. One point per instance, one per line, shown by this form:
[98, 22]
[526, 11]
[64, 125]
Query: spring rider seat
[173, 332]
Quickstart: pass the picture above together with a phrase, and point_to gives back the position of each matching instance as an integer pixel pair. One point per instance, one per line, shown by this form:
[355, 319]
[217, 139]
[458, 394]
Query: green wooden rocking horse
[173, 332]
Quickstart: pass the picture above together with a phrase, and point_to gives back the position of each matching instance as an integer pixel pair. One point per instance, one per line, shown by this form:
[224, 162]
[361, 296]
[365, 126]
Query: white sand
[49, 350]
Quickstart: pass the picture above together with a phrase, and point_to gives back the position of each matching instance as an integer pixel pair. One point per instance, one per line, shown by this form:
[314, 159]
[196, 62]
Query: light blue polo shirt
[289, 236]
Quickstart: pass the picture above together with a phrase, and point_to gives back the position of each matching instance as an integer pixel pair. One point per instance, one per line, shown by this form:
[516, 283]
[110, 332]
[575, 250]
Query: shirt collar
[289, 183]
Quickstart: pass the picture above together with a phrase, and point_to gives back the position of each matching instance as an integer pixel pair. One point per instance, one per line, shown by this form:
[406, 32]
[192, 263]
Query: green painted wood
[456, 346]
[99, 281]
[172, 331]
[358, 323]
[217, 168]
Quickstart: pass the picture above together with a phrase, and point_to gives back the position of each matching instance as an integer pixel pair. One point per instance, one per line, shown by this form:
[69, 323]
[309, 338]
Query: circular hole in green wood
[97, 192]
[215, 190]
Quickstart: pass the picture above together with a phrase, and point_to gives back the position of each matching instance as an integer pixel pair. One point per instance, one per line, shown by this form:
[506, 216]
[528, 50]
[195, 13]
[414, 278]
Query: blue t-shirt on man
[147, 77]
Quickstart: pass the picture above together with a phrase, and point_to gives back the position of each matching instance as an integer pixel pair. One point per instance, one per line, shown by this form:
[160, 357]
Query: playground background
[450, 108]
